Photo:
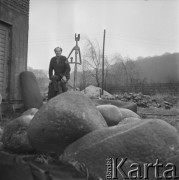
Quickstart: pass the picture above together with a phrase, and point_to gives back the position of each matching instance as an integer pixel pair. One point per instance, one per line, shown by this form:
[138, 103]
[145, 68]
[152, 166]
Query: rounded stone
[62, 120]
[15, 134]
[140, 142]
[113, 115]
[30, 91]
[120, 104]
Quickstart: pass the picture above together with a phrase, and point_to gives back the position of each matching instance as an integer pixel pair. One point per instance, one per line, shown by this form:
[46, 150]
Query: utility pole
[103, 62]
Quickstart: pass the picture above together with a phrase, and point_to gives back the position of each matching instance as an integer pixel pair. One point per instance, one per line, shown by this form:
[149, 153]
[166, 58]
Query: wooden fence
[148, 89]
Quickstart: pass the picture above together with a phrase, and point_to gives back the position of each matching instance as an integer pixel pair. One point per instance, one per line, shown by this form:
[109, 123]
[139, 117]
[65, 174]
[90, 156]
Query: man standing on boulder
[60, 65]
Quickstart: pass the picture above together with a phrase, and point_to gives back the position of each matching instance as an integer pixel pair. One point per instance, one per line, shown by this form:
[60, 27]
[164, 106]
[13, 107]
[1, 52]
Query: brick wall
[19, 5]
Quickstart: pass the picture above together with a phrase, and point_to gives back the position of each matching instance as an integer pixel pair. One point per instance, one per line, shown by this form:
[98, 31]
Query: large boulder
[140, 142]
[30, 90]
[15, 134]
[62, 120]
[118, 103]
[113, 115]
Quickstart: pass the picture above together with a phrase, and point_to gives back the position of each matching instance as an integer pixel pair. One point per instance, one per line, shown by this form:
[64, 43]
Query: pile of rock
[87, 136]
[143, 100]
[140, 99]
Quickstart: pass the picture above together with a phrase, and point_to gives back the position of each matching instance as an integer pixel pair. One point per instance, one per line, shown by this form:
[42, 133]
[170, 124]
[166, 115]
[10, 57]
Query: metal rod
[103, 62]
[75, 70]
[77, 51]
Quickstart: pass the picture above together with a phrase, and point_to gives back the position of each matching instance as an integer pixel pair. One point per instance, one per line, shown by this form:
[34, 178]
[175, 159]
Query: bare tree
[127, 75]
[84, 76]
[92, 60]
[120, 70]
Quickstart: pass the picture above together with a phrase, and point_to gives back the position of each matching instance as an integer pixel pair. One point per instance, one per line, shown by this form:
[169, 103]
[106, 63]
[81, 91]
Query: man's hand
[64, 79]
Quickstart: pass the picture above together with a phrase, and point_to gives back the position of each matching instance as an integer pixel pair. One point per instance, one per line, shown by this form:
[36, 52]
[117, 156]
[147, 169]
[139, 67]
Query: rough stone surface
[141, 143]
[31, 111]
[15, 134]
[113, 115]
[62, 120]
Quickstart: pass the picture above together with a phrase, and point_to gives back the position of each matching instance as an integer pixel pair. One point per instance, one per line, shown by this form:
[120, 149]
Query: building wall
[4, 49]
[15, 15]
[19, 5]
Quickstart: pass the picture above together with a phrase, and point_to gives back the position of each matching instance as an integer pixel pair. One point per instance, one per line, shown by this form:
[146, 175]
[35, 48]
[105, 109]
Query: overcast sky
[133, 27]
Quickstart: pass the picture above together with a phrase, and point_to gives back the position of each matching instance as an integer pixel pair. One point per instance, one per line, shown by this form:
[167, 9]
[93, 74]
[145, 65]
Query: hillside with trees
[156, 69]
[162, 72]
[160, 69]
